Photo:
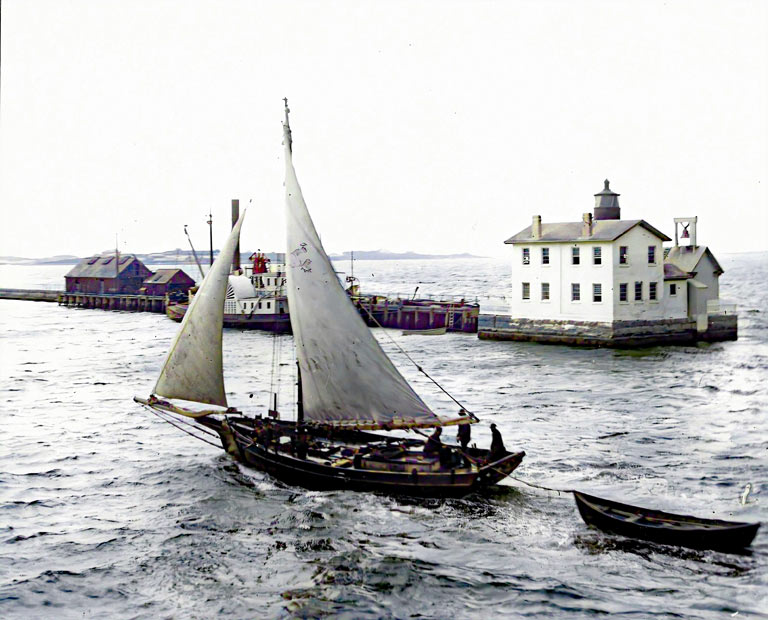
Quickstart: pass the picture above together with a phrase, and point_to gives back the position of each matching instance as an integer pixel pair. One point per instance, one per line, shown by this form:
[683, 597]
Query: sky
[435, 127]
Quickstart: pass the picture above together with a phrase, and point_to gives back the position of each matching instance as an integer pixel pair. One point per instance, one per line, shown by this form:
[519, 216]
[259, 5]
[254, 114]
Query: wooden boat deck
[362, 461]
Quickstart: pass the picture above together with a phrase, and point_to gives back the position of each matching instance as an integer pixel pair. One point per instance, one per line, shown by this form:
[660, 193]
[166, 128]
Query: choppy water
[107, 511]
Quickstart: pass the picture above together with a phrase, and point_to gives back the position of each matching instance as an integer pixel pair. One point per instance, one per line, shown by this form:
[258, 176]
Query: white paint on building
[608, 269]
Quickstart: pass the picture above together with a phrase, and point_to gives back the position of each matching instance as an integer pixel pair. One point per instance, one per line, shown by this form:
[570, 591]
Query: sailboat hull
[412, 476]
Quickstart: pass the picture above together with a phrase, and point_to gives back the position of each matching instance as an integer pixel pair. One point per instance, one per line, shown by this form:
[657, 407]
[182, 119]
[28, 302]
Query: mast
[347, 380]
[210, 235]
[197, 260]
[300, 396]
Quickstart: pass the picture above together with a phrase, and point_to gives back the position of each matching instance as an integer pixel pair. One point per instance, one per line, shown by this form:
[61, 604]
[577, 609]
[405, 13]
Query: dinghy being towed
[664, 527]
[347, 386]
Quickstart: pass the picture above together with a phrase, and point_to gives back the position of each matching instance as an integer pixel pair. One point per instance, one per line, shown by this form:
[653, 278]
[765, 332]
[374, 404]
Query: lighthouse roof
[602, 230]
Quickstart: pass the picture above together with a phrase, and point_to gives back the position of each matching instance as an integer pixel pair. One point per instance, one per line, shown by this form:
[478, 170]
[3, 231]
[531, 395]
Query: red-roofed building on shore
[107, 274]
[167, 281]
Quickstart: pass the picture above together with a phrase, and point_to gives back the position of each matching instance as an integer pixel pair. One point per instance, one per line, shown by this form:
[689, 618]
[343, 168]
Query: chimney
[536, 227]
[235, 217]
[607, 204]
[586, 225]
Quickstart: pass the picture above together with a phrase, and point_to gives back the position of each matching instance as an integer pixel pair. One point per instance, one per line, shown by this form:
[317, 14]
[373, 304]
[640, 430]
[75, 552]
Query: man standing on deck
[463, 435]
[497, 445]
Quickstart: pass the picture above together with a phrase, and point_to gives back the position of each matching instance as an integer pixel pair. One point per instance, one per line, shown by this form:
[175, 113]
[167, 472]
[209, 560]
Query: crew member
[497, 444]
[463, 435]
[302, 444]
[433, 444]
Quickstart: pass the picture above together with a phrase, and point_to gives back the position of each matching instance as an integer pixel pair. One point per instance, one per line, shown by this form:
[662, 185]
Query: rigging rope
[419, 368]
[174, 423]
[539, 486]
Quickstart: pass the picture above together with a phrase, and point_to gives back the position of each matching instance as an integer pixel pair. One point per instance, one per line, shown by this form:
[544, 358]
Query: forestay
[193, 369]
[347, 379]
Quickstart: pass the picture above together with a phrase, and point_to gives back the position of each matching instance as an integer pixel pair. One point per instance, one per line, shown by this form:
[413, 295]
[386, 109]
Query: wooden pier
[405, 314]
[418, 314]
[129, 303]
[29, 294]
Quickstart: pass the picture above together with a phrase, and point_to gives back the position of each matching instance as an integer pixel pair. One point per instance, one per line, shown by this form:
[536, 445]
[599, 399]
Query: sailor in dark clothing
[302, 444]
[497, 444]
[463, 435]
[433, 445]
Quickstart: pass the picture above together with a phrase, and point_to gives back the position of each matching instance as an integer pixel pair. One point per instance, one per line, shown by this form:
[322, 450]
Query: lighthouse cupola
[607, 204]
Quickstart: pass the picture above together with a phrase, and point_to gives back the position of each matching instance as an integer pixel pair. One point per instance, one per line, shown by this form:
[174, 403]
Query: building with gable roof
[168, 281]
[610, 281]
[108, 273]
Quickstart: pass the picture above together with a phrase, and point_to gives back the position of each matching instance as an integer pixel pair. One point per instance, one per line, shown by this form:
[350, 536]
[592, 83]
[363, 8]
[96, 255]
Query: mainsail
[347, 379]
[193, 369]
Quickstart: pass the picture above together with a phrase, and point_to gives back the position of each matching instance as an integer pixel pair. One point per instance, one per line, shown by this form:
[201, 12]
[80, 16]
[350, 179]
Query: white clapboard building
[607, 271]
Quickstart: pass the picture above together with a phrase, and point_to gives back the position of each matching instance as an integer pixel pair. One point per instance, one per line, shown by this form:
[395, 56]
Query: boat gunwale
[696, 533]
[297, 470]
[595, 503]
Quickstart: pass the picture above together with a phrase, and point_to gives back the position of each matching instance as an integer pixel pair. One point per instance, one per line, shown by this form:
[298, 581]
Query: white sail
[193, 369]
[347, 379]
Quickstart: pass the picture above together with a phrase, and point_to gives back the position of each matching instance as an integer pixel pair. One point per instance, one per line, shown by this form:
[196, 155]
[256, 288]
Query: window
[574, 256]
[638, 291]
[597, 256]
[623, 291]
[575, 292]
[259, 305]
[652, 291]
[526, 256]
[545, 291]
[545, 256]
[597, 293]
[106, 261]
[651, 254]
[672, 290]
[526, 290]
[269, 305]
[623, 255]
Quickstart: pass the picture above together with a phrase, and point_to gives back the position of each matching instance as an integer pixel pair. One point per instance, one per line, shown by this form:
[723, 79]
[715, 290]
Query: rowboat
[664, 527]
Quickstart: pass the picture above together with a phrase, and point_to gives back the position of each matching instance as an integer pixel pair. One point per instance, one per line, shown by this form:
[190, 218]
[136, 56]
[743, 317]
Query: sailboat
[353, 405]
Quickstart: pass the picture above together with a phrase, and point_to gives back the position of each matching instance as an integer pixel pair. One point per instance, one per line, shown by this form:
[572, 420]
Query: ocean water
[106, 511]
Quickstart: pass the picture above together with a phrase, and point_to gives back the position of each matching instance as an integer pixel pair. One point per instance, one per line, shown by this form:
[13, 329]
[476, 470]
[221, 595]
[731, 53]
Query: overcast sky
[438, 127]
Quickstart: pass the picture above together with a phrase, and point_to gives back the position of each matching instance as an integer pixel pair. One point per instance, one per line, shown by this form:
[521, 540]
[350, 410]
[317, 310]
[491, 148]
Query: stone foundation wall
[617, 334]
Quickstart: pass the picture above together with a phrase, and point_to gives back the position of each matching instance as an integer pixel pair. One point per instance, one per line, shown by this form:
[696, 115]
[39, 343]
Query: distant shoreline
[184, 257]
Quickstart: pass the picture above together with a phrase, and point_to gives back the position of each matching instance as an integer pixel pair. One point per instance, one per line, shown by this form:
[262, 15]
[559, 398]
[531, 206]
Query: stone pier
[619, 334]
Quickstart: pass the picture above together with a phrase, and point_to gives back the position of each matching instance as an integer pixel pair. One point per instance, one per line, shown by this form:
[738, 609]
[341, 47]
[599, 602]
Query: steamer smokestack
[235, 217]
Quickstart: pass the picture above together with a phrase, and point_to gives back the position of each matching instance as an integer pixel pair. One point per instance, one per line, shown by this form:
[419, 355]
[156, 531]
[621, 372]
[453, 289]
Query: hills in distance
[179, 256]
